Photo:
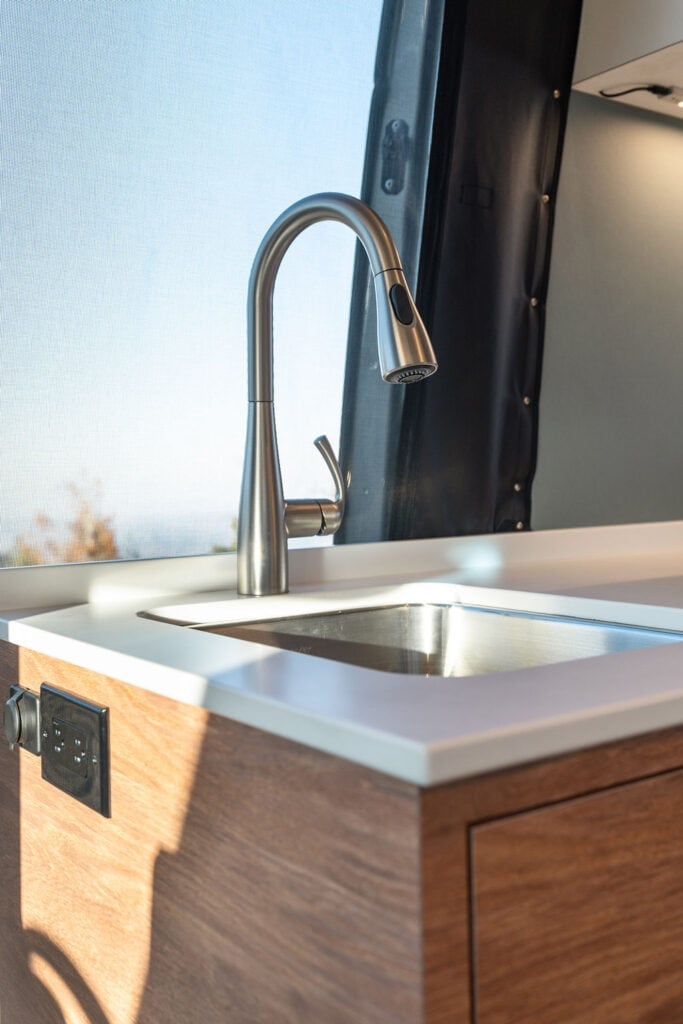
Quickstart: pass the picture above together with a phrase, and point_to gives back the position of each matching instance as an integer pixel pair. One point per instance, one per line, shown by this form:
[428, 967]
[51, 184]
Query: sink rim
[233, 609]
[406, 645]
[578, 620]
[442, 639]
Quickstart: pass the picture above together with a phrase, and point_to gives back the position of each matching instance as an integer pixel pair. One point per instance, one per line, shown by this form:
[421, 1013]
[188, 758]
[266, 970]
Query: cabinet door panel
[578, 910]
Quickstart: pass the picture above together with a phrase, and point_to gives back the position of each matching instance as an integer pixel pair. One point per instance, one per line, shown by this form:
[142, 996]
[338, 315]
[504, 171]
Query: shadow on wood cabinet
[27, 955]
[24, 999]
[293, 895]
[241, 877]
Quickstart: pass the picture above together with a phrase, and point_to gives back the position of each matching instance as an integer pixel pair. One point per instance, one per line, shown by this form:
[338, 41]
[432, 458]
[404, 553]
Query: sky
[148, 145]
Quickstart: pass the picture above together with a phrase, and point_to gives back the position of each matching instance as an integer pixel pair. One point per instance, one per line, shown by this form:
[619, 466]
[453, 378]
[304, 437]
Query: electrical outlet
[75, 747]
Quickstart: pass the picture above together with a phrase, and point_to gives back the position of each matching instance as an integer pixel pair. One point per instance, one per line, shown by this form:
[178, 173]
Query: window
[148, 147]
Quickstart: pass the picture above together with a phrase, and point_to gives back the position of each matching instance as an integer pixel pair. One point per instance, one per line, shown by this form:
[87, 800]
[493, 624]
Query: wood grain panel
[445, 907]
[246, 878]
[13, 966]
[449, 812]
[318, 863]
[241, 878]
[526, 786]
[86, 881]
[9, 664]
[578, 910]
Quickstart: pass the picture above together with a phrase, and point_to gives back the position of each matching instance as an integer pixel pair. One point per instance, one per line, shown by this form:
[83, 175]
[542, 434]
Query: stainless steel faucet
[266, 520]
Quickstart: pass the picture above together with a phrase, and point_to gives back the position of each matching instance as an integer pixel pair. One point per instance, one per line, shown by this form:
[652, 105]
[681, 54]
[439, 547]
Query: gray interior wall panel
[611, 404]
[616, 31]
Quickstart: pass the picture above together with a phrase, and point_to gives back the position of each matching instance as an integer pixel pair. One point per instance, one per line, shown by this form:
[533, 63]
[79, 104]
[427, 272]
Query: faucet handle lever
[323, 445]
[332, 511]
[309, 517]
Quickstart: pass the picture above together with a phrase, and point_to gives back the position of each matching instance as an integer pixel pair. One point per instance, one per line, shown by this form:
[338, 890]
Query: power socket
[75, 747]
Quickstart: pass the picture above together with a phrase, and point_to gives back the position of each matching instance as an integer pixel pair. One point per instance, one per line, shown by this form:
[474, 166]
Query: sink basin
[442, 639]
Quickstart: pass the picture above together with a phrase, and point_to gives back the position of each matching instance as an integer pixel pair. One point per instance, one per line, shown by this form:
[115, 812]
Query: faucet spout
[405, 353]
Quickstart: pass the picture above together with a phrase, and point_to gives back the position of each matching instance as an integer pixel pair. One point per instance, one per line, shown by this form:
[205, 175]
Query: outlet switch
[75, 747]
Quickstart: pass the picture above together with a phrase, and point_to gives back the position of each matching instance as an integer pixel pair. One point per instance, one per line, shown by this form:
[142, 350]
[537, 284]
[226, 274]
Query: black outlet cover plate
[75, 747]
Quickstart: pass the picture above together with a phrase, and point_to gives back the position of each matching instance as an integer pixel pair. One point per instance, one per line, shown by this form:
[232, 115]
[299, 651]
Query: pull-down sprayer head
[405, 351]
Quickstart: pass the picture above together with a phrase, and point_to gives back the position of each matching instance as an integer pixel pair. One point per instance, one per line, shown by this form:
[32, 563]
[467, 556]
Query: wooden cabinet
[249, 879]
[578, 909]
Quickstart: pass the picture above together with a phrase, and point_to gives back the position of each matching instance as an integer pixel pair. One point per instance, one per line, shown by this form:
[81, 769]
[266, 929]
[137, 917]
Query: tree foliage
[90, 536]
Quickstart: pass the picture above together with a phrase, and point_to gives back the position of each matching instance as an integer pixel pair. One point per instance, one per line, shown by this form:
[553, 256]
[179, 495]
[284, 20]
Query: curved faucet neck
[405, 355]
[363, 221]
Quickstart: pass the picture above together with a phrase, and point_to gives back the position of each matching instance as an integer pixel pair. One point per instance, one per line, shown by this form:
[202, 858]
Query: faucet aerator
[409, 375]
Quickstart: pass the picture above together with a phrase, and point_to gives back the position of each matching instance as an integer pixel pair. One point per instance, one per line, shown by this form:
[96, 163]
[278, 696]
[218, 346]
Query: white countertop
[426, 730]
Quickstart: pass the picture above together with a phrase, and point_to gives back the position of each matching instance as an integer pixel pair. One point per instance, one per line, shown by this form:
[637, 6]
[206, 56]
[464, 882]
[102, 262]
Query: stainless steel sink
[442, 639]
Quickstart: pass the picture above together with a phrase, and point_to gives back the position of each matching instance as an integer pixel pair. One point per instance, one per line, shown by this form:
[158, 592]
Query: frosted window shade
[147, 148]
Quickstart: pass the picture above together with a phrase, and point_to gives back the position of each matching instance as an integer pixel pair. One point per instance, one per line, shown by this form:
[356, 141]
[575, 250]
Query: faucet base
[261, 533]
